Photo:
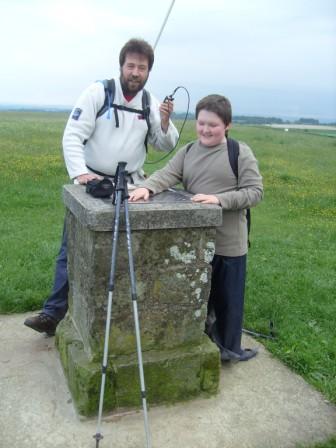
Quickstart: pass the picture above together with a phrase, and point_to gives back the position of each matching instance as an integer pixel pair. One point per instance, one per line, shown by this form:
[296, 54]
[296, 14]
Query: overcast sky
[270, 57]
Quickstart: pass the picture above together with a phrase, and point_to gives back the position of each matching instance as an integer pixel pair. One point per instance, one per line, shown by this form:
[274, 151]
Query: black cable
[171, 98]
[271, 334]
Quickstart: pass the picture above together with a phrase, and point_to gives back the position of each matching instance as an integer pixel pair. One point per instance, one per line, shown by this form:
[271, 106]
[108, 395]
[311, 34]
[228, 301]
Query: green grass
[292, 261]
[32, 174]
[331, 443]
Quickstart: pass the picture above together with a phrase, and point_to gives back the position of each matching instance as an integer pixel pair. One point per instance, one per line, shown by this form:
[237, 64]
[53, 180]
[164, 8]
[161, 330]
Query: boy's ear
[228, 126]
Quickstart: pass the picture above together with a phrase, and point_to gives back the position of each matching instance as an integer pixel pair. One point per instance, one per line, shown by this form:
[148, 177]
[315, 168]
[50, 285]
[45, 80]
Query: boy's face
[210, 128]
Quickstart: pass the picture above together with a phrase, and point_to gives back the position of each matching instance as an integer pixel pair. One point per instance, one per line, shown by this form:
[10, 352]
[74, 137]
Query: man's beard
[131, 86]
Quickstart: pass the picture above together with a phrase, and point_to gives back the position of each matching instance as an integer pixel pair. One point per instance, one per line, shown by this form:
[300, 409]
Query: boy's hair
[139, 46]
[218, 104]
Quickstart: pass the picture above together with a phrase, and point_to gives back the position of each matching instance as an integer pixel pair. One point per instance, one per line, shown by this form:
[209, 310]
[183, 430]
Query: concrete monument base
[170, 375]
[173, 243]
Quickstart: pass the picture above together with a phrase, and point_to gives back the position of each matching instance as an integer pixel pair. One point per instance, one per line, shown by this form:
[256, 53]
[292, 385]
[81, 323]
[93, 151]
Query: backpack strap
[146, 111]
[109, 89]
[233, 152]
[189, 145]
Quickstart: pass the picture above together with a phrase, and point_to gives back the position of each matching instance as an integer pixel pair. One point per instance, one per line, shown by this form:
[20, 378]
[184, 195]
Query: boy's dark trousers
[56, 305]
[227, 299]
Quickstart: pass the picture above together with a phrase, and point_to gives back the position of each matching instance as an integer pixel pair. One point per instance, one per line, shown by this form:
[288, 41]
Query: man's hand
[139, 193]
[205, 199]
[85, 178]
[166, 108]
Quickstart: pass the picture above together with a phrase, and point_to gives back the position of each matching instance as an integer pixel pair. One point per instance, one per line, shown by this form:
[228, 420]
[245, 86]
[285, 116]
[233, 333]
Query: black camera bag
[100, 188]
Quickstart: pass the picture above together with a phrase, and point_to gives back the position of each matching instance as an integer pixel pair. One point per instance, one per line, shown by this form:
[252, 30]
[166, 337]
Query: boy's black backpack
[233, 152]
[109, 88]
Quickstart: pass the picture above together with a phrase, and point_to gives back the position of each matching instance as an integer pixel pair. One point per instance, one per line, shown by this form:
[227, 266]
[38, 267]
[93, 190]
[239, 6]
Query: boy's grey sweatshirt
[207, 170]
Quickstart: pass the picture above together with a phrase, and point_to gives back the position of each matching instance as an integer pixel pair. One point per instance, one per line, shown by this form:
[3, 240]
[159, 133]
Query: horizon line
[67, 108]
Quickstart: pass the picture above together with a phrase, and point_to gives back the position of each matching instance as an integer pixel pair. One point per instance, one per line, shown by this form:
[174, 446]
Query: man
[96, 138]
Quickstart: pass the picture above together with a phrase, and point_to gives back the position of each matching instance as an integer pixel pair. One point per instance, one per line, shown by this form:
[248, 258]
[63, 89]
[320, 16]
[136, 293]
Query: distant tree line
[247, 119]
[243, 119]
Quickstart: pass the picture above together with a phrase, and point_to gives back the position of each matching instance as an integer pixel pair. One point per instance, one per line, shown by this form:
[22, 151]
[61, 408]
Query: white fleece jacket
[106, 145]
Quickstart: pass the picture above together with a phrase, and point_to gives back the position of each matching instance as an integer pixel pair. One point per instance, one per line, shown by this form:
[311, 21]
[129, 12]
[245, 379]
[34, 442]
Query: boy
[205, 170]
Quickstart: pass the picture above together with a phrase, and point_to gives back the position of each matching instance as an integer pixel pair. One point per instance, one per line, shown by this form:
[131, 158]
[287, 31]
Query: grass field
[292, 261]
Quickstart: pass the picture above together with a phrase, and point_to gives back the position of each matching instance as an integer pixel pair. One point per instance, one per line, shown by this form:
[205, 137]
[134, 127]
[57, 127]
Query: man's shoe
[225, 353]
[42, 323]
[228, 355]
[248, 353]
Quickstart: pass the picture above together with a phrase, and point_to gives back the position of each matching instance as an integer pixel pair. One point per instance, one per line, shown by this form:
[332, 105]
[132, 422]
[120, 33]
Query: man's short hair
[139, 46]
[218, 104]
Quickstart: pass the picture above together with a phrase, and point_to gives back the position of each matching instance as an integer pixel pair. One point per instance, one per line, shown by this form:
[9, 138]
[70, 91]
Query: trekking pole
[164, 24]
[136, 317]
[121, 195]
[118, 199]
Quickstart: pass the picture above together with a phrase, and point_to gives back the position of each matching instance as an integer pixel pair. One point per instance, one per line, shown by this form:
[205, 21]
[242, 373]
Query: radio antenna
[164, 24]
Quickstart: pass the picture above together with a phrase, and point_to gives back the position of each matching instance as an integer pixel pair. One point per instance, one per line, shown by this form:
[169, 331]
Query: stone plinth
[173, 243]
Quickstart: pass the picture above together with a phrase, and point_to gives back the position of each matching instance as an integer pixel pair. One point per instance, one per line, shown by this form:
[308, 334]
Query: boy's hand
[205, 199]
[139, 193]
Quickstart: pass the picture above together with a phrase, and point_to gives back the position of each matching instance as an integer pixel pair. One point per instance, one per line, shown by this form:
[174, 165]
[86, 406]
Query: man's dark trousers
[227, 299]
[56, 305]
